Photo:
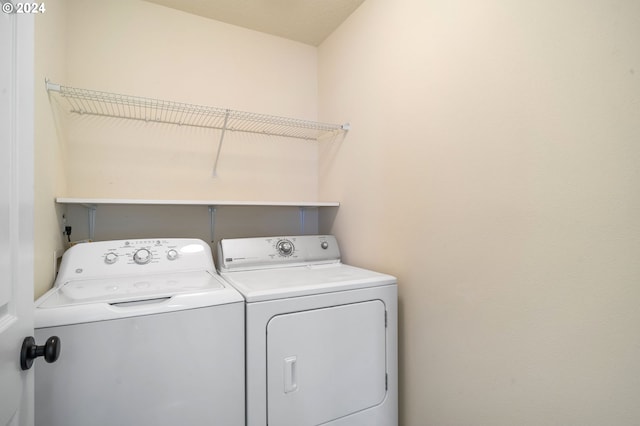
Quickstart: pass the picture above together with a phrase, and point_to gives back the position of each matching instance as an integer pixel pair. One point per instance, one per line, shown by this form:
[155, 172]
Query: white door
[325, 364]
[16, 213]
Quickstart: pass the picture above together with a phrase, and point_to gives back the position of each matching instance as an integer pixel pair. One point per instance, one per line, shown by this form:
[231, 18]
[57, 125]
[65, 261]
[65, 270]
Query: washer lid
[102, 299]
[130, 288]
[269, 284]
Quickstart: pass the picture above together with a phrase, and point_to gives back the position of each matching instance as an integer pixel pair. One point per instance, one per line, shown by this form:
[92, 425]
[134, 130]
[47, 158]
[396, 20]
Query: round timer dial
[285, 247]
[142, 256]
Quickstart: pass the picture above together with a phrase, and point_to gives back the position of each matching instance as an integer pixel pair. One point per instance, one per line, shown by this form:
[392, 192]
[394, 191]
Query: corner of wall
[49, 172]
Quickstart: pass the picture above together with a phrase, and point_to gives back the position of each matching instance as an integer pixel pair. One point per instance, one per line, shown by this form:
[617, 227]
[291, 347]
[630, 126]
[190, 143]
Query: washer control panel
[132, 257]
[272, 252]
[141, 252]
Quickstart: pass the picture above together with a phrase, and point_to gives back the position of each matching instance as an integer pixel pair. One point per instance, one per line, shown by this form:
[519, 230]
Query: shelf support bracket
[212, 222]
[91, 212]
[224, 129]
[51, 86]
[302, 212]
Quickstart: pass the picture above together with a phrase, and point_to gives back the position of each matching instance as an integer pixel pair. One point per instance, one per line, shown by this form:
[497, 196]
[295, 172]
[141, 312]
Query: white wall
[49, 152]
[492, 166]
[139, 48]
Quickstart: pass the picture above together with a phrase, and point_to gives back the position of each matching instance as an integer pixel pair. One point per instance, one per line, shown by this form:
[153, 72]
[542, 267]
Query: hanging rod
[93, 102]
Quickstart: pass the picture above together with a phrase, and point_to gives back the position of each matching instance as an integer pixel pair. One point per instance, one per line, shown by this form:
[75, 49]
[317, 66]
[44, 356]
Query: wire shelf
[106, 104]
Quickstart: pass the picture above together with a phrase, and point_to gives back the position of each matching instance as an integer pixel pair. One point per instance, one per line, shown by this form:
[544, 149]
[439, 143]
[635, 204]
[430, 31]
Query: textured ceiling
[306, 21]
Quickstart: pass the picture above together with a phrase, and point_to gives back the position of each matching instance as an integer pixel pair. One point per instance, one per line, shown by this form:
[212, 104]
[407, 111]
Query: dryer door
[325, 364]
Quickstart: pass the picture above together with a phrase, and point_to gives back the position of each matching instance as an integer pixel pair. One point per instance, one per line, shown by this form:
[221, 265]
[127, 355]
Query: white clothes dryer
[150, 335]
[321, 336]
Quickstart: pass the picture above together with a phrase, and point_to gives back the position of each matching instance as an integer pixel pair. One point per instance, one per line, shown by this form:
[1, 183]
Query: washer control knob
[172, 254]
[285, 247]
[142, 256]
[110, 258]
[324, 245]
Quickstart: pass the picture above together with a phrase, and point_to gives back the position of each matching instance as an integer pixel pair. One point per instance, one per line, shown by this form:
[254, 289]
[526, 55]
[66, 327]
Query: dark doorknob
[30, 351]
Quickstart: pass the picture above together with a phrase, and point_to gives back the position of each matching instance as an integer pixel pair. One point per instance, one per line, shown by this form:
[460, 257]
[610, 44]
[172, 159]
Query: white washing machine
[149, 333]
[321, 336]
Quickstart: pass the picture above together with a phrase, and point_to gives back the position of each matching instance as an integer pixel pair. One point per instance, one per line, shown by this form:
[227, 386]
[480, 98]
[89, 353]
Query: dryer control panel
[273, 252]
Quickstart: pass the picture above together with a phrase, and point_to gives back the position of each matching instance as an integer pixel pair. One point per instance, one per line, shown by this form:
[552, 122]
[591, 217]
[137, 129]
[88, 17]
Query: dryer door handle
[290, 374]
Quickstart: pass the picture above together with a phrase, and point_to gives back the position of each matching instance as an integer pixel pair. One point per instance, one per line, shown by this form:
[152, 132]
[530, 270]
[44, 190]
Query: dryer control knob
[110, 258]
[324, 245]
[142, 256]
[285, 247]
[172, 254]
